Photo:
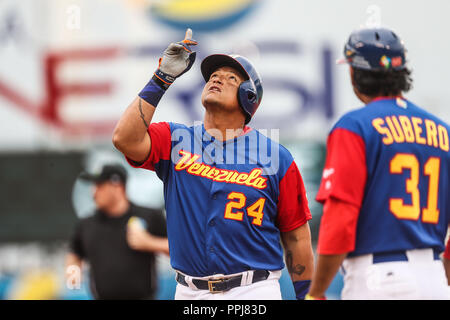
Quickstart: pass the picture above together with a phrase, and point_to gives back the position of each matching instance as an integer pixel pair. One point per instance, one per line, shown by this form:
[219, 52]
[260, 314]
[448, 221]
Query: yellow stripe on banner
[199, 9]
[36, 285]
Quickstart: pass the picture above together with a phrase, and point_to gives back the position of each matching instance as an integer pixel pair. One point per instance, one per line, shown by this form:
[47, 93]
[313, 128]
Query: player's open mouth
[214, 88]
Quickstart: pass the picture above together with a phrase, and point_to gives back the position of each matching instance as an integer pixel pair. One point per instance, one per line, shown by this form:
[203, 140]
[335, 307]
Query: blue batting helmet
[375, 49]
[250, 91]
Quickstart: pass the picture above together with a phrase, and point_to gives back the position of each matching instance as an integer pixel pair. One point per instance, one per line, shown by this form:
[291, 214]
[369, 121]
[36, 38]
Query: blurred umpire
[119, 241]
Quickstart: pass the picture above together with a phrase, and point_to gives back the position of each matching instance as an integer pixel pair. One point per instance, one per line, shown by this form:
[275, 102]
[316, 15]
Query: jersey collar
[387, 98]
[246, 130]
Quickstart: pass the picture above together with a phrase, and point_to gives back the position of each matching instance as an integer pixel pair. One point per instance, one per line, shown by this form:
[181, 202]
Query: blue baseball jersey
[391, 161]
[226, 201]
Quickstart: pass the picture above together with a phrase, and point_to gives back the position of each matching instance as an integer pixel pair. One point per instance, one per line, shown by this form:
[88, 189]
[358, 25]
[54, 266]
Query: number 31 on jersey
[430, 214]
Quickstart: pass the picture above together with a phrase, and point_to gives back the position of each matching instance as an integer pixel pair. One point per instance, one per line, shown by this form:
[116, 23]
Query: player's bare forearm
[73, 259]
[144, 241]
[326, 269]
[447, 269]
[158, 244]
[130, 135]
[161, 245]
[298, 253]
[446, 260]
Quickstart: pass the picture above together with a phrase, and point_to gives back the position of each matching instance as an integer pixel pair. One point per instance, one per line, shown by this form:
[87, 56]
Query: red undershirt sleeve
[341, 191]
[345, 172]
[337, 233]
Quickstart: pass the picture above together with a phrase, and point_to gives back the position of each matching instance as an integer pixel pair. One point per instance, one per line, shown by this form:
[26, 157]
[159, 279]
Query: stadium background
[69, 68]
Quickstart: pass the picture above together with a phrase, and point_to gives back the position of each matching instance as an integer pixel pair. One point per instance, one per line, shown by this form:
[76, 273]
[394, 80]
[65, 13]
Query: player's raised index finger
[188, 34]
[188, 37]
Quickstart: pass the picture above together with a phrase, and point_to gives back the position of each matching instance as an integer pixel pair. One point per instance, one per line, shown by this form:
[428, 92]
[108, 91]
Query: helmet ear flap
[251, 96]
[248, 98]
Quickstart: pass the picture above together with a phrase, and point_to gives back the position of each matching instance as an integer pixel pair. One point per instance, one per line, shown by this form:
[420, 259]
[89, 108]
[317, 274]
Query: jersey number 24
[238, 199]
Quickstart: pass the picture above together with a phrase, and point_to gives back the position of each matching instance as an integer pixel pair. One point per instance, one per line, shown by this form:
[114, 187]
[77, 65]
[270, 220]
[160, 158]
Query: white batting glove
[176, 60]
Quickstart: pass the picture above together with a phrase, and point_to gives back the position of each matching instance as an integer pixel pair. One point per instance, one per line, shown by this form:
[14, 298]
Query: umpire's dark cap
[110, 172]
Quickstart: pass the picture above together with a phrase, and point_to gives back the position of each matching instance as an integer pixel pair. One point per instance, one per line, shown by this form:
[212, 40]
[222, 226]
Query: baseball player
[384, 185]
[228, 203]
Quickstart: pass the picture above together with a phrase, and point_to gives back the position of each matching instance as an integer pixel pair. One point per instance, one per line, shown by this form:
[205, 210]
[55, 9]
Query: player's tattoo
[298, 269]
[142, 114]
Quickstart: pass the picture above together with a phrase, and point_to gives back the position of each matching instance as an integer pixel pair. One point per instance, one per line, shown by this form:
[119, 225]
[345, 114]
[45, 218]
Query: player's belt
[396, 256]
[222, 284]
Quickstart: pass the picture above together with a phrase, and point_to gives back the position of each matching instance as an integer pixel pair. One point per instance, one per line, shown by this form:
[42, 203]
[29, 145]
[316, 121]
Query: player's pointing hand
[177, 59]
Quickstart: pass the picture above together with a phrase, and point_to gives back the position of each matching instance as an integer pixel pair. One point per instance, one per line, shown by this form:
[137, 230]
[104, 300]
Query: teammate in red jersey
[384, 185]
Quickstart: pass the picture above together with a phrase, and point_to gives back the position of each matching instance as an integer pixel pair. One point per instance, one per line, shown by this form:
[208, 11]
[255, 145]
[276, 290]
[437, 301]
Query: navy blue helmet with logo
[250, 91]
[374, 49]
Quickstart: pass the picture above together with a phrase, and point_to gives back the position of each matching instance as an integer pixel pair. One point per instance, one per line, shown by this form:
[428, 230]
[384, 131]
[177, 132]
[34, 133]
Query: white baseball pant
[420, 278]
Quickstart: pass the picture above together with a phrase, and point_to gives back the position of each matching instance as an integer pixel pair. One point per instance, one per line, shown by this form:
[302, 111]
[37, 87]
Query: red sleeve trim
[337, 233]
[447, 250]
[160, 137]
[346, 157]
[293, 210]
